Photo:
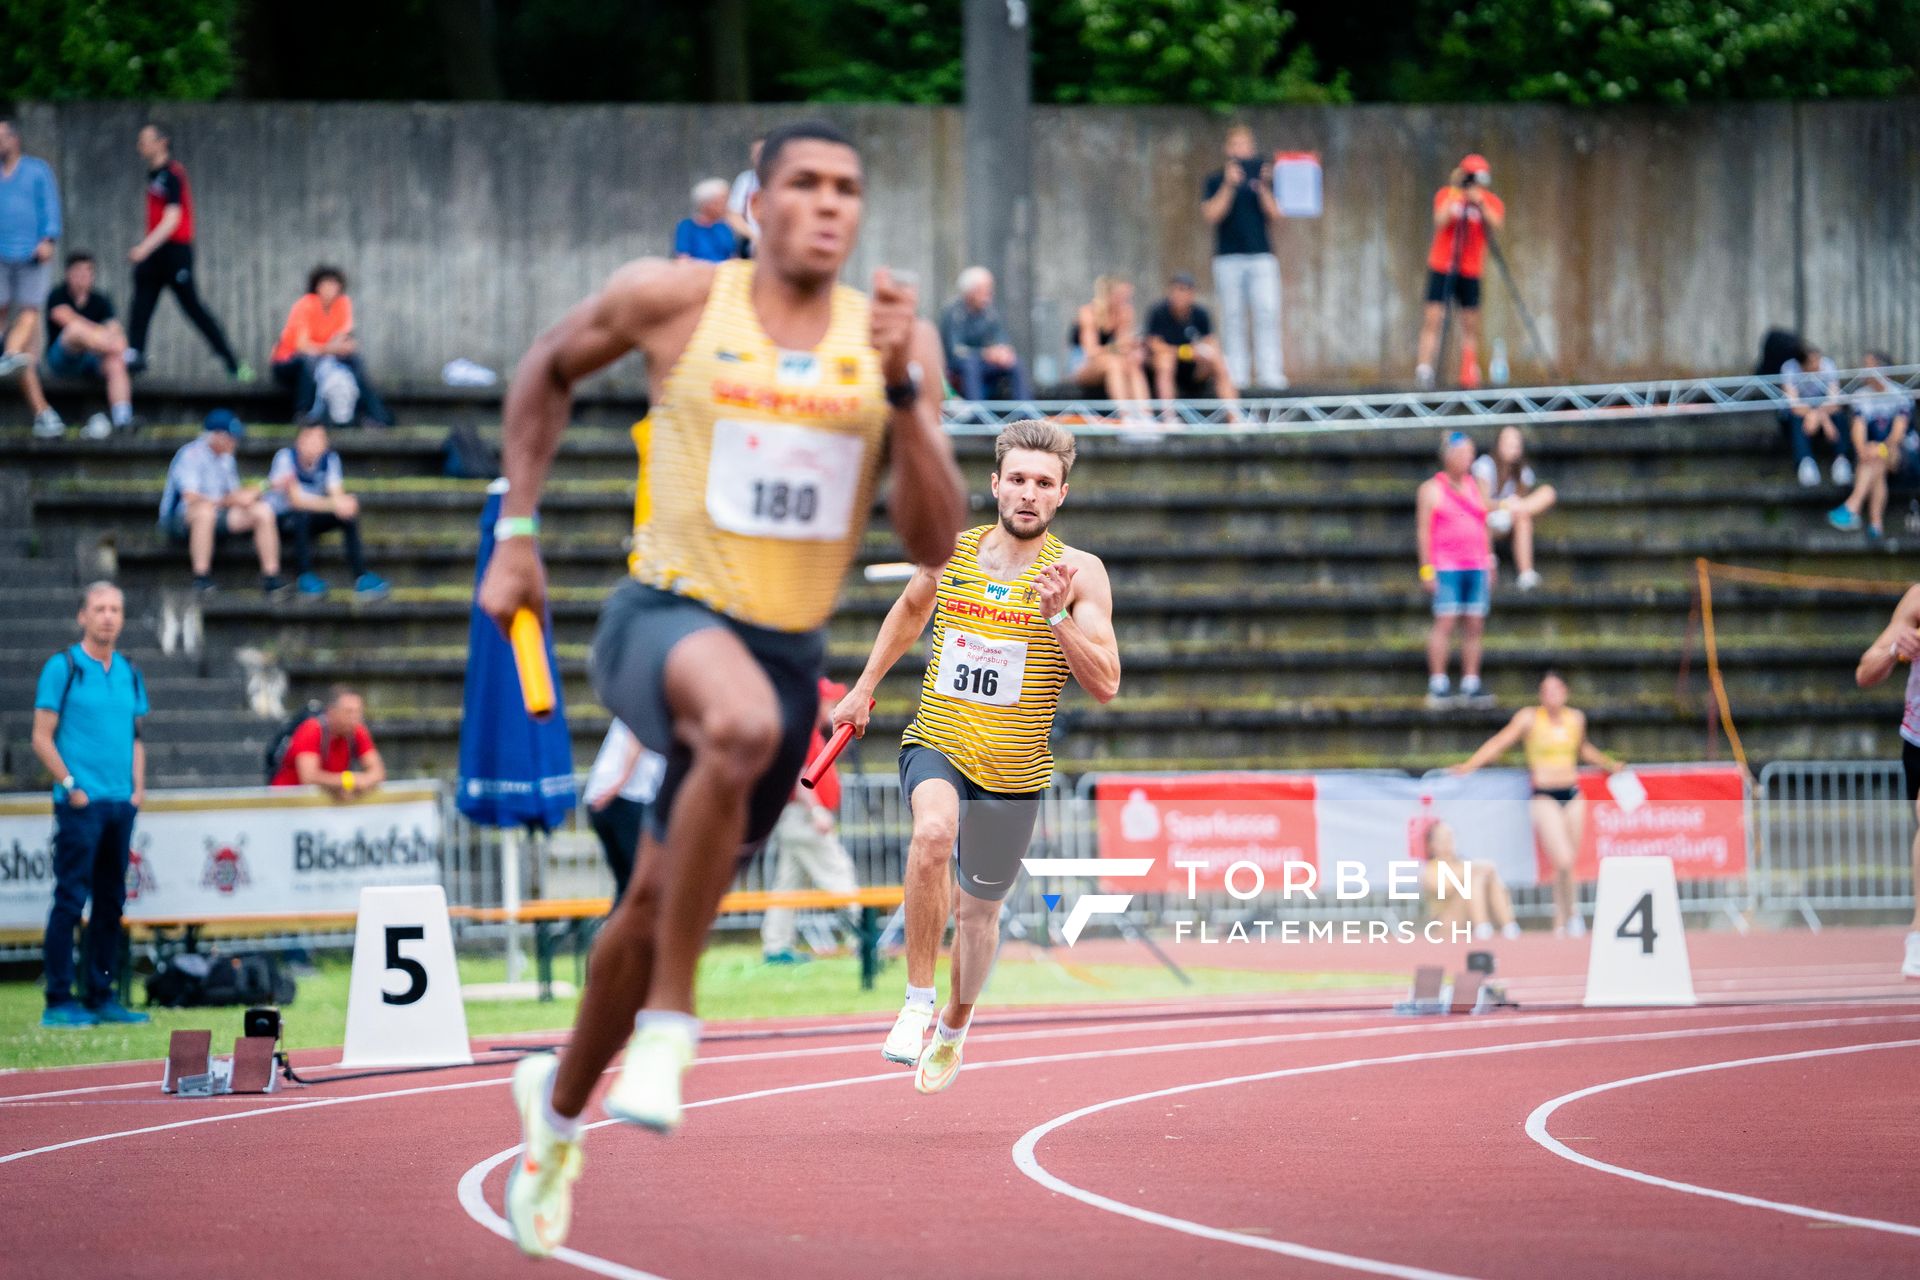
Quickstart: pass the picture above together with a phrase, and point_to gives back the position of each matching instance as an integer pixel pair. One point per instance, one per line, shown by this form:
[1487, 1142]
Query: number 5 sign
[403, 1000]
[1639, 952]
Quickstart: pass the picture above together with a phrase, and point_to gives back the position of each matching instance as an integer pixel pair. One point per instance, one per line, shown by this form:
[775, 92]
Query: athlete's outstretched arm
[1086, 634]
[1498, 745]
[929, 499]
[903, 625]
[636, 299]
[1900, 640]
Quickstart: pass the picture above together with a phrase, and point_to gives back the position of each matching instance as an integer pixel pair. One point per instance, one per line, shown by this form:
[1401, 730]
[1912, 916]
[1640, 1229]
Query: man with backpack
[86, 732]
[332, 750]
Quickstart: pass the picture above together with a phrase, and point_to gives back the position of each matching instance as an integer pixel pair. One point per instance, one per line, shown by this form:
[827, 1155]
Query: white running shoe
[99, 427]
[1809, 473]
[1482, 931]
[1511, 929]
[908, 1035]
[1423, 376]
[1527, 581]
[647, 1092]
[47, 425]
[938, 1065]
[540, 1183]
[1576, 926]
[1842, 471]
[1911, 969]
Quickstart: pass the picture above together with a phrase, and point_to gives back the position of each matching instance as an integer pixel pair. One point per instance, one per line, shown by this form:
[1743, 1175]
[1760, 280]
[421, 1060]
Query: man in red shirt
[164, 257]
[333, 750]
[1463, 210]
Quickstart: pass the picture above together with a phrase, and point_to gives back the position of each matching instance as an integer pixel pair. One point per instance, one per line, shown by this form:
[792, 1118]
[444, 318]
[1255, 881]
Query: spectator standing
[205, 501]
[979, 350]
[164, 257]
[1105, 351]
[1462, 212]
[1516, 496]
[806, 844]
[1882, 419]
[306, 486]
[86, 732]
[29, 226]
[620, 789]
[1186, 360]
[707, 236]
[333, 750]
[1239, 205]
[318, 357]
[1815, 411]
[746, 229]
[1456, 560]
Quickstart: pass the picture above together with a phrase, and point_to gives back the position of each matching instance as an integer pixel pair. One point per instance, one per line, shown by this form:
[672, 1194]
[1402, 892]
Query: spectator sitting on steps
[1517, 498]
[307, 489]
[1882, 421]
[1487, 904]
[1105, 347]
[85, 341]
[1186, 361]
[333, 750]
[1815, 411]
[318, 357]
[981, 361]
[204, 501]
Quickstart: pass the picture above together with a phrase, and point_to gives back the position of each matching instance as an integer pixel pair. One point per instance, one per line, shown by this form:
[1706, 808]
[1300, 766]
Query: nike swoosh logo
[979, 880]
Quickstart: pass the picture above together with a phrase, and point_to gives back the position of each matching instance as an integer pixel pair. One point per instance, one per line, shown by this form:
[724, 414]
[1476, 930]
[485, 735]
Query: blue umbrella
[515, 771]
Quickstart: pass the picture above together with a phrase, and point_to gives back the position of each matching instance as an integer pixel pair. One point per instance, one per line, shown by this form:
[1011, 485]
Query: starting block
[1471, 992]
[1427, 996]
[192, 1072]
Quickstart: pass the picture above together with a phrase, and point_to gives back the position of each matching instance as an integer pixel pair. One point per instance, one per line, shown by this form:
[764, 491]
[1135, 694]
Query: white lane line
[1537, 1130]
[1025, 1159]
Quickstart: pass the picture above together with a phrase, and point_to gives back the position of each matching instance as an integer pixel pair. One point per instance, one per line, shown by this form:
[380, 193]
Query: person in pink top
[1456, 563]
[1899, 645]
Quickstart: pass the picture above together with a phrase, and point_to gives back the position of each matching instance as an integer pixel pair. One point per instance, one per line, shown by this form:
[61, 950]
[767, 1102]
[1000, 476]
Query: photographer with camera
[1238, 203]
[1463, 210]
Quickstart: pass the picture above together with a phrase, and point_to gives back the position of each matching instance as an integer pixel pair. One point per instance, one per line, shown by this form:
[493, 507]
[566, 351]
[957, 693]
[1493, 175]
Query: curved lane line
[1028, 1163]
[1537, 1130]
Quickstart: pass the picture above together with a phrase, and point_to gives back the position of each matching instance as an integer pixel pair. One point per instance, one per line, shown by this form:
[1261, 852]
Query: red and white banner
[1694, 814]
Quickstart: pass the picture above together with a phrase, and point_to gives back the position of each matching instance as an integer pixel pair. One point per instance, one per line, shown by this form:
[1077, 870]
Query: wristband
[1059, 617]
[346, 780]
[1426, 573]
[516, 527]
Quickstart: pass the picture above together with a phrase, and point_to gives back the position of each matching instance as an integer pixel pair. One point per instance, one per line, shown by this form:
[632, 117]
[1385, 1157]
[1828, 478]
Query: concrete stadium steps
[1268, 609]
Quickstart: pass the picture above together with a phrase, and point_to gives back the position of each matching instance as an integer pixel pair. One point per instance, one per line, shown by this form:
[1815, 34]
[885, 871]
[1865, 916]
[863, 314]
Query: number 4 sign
[403, 1000]
[1639, 952]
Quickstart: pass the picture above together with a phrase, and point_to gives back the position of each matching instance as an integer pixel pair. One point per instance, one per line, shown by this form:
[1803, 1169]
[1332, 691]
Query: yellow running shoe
[647, 1092]
[909, 1035]
[540, 1183]
[939, 1064]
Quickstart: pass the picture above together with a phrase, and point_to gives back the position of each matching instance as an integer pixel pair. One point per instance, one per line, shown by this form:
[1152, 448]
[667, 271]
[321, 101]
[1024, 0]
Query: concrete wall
[1645, 242]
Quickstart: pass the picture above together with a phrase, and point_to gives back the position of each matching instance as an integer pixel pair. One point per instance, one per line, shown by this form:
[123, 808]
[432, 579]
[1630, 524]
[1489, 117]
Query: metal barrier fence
[1833, 836]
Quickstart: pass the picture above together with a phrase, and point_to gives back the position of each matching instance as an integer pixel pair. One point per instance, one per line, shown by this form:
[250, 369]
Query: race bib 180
[773, 480]
[981, 670]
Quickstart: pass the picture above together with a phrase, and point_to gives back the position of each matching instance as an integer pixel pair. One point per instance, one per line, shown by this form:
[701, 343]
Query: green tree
[1596, 52]
[1218, 53]
[178, 49]
[885, 51]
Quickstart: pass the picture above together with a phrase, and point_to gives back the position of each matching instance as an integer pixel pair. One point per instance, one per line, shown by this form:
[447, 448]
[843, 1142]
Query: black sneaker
[274, 587]
[204, 585]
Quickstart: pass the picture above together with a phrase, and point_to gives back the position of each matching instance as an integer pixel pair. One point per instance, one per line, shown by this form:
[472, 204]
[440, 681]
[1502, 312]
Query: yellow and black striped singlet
[989, 644]
[757, 464]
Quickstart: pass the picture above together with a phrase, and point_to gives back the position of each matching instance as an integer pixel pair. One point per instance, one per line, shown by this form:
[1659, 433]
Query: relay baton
[817, 767]
[529, 640]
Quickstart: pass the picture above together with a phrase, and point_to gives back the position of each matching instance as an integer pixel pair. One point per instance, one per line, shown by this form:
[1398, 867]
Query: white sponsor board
[237, 852]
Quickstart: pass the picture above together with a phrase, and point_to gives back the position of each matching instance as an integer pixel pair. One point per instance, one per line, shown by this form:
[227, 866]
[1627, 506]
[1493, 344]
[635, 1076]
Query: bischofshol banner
[237, 852]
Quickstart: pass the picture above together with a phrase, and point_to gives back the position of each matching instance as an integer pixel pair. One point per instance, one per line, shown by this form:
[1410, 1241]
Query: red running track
[1284, 1144]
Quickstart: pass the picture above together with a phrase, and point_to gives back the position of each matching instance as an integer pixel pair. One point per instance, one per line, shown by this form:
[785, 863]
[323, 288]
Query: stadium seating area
[1268, 610]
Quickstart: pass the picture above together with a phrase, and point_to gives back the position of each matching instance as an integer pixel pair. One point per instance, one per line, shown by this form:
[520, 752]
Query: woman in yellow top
[1555, 737]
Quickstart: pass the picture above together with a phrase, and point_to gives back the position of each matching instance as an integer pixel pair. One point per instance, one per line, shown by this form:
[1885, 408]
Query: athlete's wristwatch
[901, 395]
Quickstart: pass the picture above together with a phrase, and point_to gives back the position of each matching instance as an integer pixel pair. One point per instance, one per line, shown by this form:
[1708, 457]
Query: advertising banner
[1693, 814]
[1216, 819]
[237, 852]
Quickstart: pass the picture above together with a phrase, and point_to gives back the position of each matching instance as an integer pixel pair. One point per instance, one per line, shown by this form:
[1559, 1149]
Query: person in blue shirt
[29, 226]
[706, 236]
[86, 731]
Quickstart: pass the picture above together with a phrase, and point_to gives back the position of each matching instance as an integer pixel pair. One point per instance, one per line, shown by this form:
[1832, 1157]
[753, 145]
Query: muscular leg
[929, 880]
[976, 939]
[203, 518]
[20, 334]
[1471, 629]
[1550, 828]
[1430, 331]
[1916, 867]
[617, 978]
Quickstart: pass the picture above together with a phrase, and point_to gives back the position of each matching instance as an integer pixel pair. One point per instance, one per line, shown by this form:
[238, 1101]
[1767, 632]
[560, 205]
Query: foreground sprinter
[776, 391]
[1899, 643]
[1014, 613]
